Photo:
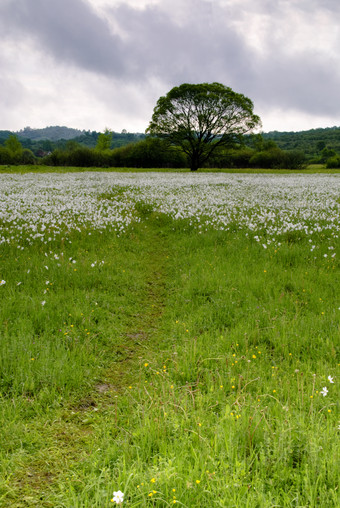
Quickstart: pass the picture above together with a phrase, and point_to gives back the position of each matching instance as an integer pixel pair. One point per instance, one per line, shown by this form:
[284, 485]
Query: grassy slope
[186, 368]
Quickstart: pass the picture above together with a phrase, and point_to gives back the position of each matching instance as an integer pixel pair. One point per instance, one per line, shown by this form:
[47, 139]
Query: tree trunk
[194, 162]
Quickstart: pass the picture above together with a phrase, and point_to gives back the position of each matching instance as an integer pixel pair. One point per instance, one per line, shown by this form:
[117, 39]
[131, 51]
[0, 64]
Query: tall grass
[181, 367]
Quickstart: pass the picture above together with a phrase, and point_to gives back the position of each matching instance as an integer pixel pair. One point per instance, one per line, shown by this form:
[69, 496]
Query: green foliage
[333, 162]
[6, 157]
[14, 146]
[104, 141]
[77, 156]
[278, 159]
[316, 146]
[13, 153]
[327, 153]
[200, 118]
[266, 159]
[264, 154]
[150, 152]
[294, 159]
[311, 142]
[27, 157]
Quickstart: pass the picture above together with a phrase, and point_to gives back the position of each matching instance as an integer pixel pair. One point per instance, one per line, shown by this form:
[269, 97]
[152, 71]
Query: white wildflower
[118, 497]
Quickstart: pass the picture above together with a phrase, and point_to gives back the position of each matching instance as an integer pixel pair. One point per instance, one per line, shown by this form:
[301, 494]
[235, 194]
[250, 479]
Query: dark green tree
[199, 118]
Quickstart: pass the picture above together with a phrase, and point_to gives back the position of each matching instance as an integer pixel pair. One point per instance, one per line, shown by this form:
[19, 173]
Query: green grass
[312, 169]
[187, 367]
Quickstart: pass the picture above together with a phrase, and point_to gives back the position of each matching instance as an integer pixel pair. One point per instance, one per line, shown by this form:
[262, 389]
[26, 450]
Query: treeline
[108, 149]
[80, 148]
[43, 141]
[319, 145]
[153, 152]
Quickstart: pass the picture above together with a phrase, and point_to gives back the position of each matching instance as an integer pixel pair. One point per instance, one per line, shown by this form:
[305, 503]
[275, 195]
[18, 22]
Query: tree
[13, 145]
[199, 118]
[104, 141]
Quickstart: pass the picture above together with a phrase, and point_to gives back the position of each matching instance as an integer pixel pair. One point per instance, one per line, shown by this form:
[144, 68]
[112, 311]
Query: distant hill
[51, 133]
[42, 141]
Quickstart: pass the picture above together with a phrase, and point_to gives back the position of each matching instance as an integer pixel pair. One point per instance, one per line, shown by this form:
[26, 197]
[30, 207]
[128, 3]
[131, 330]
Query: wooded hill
[311, 142]
[51, 138]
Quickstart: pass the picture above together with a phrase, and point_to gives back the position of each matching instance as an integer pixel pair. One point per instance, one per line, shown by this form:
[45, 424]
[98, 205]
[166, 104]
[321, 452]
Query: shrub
[276, 158]
[333, 162]
[268, 159]
[148, 153]
[294, 159]
[5, 156]
[27, 157]
[57, 158]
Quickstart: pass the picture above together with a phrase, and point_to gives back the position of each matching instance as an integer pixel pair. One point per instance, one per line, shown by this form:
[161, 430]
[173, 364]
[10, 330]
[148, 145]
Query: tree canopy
[13, 145]
[104, 140]
[201, 117]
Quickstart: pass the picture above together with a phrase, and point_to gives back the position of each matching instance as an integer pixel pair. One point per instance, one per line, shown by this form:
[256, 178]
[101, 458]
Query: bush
[333, 162]
[27, 157]
[79, 156]
[56, 158]
[278, 159]
[294, 159]
[149, 153]
[268, 159]
[6, 156]
[82, 157]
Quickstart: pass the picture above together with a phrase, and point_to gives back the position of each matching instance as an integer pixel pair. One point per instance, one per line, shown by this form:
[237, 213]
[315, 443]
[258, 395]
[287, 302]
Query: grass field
[311, 169]
[171, 336]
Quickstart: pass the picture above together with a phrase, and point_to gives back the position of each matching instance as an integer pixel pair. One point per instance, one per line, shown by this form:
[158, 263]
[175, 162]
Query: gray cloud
[155, 45]
[300, 83]
[68, 30]
[189, 50]
[262, 48]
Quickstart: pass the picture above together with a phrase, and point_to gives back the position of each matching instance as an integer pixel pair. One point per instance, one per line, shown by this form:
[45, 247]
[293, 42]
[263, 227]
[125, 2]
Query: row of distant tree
[93, 149]
[43, 141]
[318, 144]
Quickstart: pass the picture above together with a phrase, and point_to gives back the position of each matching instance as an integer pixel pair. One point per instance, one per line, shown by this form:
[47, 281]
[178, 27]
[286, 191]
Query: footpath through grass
[181, 368]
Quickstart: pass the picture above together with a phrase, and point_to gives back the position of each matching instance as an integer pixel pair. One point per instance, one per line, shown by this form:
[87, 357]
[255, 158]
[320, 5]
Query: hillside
[311, 142]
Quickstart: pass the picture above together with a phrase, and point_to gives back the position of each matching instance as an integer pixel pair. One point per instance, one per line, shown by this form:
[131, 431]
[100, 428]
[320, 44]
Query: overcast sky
[91, 64]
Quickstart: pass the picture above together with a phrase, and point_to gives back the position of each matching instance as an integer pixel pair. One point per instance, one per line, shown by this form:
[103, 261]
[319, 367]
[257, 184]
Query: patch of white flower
[37, 207]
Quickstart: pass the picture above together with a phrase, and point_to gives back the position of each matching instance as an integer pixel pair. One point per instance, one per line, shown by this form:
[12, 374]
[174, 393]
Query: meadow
[169, 339]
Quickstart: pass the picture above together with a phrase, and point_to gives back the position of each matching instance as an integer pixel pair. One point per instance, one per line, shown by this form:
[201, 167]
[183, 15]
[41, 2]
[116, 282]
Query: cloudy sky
[92, 64]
